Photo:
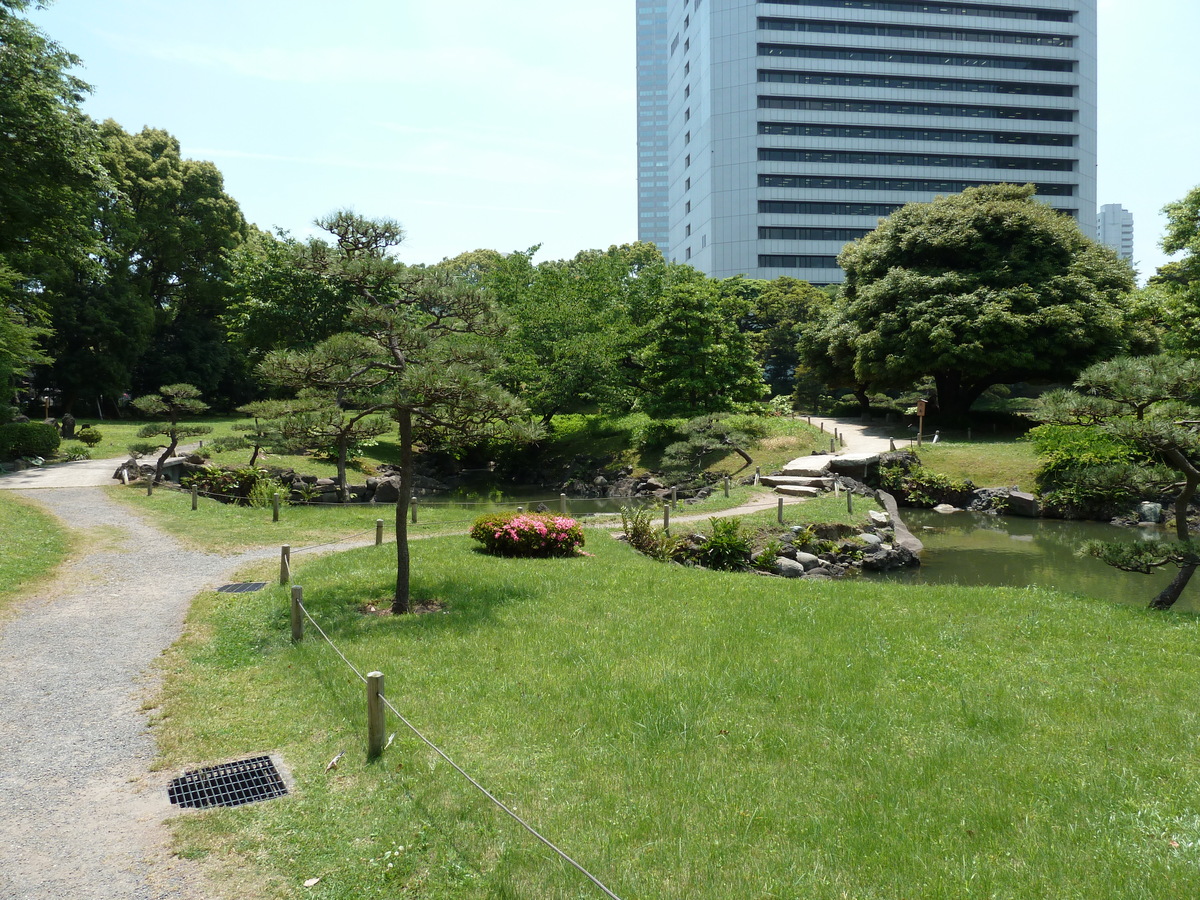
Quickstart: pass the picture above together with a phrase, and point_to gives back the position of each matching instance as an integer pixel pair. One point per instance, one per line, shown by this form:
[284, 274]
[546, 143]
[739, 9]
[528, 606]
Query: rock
[818, 573]
[796, 481]
[1023, 504]
[808, 466]
[68, 427]
[807, 560]
[325, 482]
[789, 568]
[903, 536]
[1150, 512]
[795, 490]
[946, 508]
[878, 518]
[872, 540]
[817, 576]
[388, 490]
[854, 463]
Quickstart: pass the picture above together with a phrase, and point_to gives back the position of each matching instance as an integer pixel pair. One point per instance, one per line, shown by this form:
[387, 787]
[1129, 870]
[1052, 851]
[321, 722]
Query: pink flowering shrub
[528, 534]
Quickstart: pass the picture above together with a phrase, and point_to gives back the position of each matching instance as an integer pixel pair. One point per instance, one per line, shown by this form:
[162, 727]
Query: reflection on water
[975, 549]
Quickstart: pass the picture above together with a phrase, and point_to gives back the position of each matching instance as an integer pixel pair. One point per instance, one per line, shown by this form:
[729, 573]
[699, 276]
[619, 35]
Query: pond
[976, 549]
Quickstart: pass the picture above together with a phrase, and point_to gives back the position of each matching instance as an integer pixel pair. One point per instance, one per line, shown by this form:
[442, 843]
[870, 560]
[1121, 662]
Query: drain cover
[242, 587]
[229, 784]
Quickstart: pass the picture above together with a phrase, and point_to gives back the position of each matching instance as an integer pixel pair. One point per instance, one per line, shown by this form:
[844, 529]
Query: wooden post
[378, 532]
[842, 439]
[674, 498]
[412, 505]
[726, 485]
[920, 423]
[150, 486]
[125, 477]
[836, 489]
[666, 517]
[892, 443]
[297, 613]
[849, 500]
[374, 714]
[562, 504]
[275, 507]
[757, 475]
[822, 426]
[832, 447]
[195, 496]
[780, 515]
[285, 564]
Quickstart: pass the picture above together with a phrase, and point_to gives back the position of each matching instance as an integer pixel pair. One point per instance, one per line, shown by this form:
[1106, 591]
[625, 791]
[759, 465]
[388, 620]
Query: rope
[436, 749]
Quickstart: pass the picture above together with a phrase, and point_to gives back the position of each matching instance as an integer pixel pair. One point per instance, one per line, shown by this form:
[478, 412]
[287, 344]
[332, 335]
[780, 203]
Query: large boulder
[1023, 504]
[387, 491]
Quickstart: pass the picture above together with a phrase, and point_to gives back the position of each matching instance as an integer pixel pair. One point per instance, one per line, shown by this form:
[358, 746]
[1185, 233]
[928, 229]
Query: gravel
[83, 815]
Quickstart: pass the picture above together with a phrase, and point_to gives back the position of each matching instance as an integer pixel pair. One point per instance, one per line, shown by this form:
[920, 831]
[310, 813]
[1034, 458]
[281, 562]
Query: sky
[479, 124]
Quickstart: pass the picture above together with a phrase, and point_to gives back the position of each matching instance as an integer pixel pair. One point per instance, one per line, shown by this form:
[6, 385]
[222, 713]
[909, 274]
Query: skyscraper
[652, 122]
[1114, 228]
[793, 126]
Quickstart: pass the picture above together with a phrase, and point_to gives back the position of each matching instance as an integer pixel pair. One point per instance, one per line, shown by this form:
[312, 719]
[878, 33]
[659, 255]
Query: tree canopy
[1152, 404]
[1178, 281]
[983, 287]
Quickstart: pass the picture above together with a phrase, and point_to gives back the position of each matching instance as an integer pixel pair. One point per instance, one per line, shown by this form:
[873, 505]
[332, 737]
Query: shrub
[727, 548]
[919, 487]
[644, 537]
[528, 534]
[72, 452]
[250, 483]
[28, 439]
[90, 436]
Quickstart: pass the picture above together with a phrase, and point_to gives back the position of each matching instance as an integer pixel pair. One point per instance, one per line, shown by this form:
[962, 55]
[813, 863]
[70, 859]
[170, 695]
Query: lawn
[691, 734]
[987, 463]
[34, 544]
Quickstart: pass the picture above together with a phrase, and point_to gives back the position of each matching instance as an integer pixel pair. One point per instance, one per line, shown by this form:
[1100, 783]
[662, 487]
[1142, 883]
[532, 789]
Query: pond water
[976, 549]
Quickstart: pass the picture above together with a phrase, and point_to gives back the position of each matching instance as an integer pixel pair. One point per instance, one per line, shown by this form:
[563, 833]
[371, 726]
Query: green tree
[432, 338]
[278, 301]
[143, 308]
[569, 330]
[984, 287]
[695, 359]
[778, 312]
[171, 403]
[1153, 405]
[49, 173]
[1178, 281]
[340, 395]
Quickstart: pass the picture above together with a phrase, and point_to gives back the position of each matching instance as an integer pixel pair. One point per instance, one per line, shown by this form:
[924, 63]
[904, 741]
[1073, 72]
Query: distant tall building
[1114, 228]
[793, 126]
[652, 122]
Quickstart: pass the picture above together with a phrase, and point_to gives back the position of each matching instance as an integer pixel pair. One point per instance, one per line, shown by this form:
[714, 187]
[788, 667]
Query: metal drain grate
[242, 587]
[229, 784]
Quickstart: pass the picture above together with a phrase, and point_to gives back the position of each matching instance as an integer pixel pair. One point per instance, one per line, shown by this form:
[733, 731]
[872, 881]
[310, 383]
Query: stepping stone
[795, 490]
[809, 466]
[796, 481]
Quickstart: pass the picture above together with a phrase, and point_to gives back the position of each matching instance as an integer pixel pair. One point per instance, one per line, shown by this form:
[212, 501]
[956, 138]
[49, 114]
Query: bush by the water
[528, 534]
[28, 439]
[917, 486]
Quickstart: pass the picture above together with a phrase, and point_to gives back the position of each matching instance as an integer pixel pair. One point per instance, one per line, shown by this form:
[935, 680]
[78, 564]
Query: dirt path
[82, 813]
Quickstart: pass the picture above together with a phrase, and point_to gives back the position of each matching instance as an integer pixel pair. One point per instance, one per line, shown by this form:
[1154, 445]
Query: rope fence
[376, 727]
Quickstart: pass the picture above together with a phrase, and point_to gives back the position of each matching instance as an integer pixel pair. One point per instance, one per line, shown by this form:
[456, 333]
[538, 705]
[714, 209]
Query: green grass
[34, 544]
[118, 434]
[693, 734]
[988, 463]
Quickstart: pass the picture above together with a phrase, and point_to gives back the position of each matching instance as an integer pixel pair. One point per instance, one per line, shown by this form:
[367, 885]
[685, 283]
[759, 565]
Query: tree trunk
[343, 486]
[167, 454]
[954, 396]
[864, 400]
[1171, 592]
[401, 602]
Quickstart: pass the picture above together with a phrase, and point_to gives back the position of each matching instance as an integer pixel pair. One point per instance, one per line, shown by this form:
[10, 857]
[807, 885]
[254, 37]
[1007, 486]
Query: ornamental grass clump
[528, 534]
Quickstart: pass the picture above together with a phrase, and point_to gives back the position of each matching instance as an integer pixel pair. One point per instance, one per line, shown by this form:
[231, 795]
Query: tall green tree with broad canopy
[984, 287]
[1151, 403]
[49, 174]
[695, 359]
[425, 339]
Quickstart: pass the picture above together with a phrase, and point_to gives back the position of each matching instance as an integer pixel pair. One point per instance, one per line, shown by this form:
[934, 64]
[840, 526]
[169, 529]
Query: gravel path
[82, 813]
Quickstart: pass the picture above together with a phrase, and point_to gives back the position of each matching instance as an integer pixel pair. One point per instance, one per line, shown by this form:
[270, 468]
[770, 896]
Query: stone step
[796, 490]
[809, 466]
[797, 481]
